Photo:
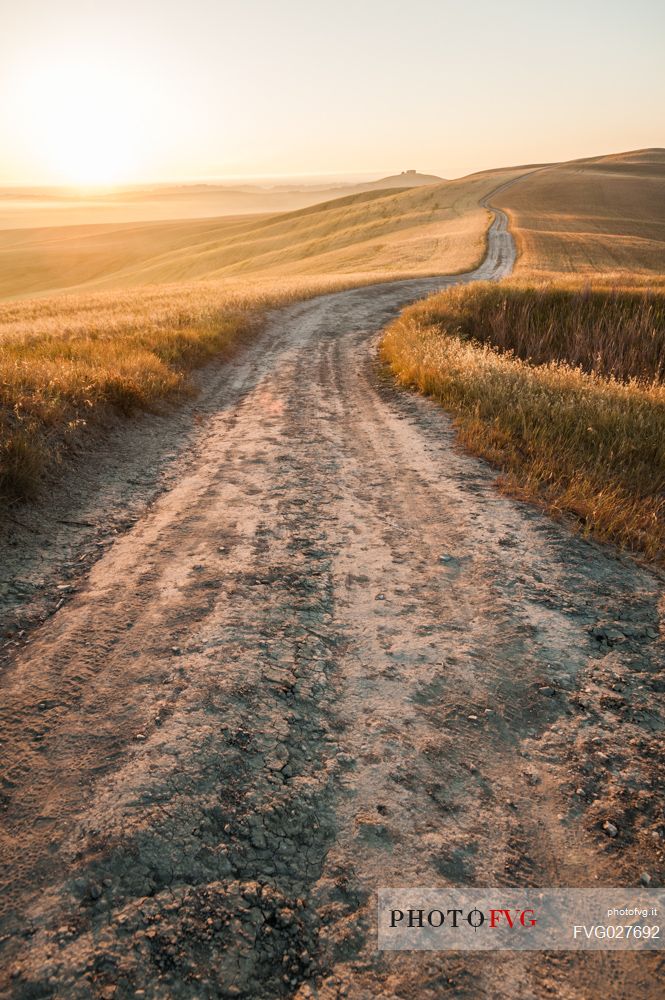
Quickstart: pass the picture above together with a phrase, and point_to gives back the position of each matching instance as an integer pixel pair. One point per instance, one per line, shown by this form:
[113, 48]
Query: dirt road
[330, 657]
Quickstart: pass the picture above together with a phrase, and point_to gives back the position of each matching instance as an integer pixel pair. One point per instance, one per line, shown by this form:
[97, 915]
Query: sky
[93, 92]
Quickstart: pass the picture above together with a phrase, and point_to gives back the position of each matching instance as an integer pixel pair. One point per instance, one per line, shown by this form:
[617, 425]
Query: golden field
[561, 388]
[104, 319]
[140, 305]
[434, 229]
[152, 301]
[602, 216]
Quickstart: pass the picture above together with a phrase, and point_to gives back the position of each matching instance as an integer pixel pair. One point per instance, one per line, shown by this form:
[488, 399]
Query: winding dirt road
[330, 657]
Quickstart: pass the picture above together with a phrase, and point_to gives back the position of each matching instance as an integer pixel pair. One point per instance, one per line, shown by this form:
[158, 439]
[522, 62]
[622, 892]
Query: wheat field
[598, 217]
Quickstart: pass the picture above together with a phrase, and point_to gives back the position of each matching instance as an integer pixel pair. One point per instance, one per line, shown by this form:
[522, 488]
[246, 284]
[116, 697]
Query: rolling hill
[604, 215]
[425, 229]
[601, 215]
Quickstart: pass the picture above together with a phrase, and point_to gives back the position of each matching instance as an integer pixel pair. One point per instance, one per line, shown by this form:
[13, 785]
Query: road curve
[331, 657]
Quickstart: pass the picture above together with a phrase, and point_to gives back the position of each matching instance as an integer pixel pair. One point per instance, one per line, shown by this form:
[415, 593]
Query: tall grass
[563, 415]
[612, 332]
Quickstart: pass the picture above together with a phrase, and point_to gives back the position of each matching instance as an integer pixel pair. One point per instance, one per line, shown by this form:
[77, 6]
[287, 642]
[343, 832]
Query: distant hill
[408, 178]
[37, 207]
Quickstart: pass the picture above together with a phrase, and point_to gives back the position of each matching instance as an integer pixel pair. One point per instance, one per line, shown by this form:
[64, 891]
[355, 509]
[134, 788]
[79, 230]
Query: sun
[82, 122]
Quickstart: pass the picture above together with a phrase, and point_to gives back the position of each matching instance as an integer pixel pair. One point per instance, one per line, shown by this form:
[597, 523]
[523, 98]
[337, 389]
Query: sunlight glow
[82, 121]
[97, 94]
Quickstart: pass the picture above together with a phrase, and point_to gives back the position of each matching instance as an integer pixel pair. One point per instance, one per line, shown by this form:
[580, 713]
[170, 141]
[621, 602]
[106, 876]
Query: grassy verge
[67, 361]
[568, 401]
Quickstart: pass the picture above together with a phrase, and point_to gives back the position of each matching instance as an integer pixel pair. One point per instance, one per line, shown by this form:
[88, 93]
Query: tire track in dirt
[331, 657]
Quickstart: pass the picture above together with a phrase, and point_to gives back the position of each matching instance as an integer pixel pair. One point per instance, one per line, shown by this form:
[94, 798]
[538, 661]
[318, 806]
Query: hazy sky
[168, 89]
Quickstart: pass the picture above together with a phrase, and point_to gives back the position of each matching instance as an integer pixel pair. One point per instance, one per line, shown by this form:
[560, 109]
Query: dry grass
[427, 230]
[608, 331]
[562, 432]
[603, 215]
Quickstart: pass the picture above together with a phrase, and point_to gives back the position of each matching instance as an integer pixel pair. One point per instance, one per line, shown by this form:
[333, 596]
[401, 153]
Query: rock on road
[331, 657]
